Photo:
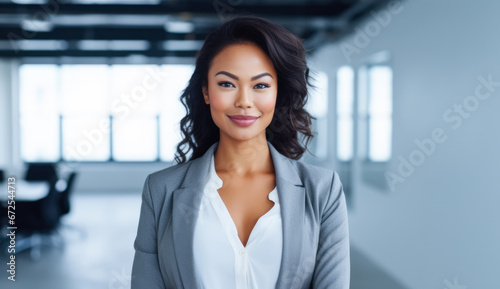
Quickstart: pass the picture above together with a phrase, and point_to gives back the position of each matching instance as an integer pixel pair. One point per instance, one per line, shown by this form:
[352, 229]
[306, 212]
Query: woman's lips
[243, 122]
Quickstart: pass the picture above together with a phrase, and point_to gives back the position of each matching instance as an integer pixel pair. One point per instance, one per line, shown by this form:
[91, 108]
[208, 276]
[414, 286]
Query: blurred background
[407, 114]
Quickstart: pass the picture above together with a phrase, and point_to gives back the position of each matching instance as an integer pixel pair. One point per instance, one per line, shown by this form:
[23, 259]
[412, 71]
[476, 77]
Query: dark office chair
[40, 171]
[64, 203]
[39, 211]
[37, 220]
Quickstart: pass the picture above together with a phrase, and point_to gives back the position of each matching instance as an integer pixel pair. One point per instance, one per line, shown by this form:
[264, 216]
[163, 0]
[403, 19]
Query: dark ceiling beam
[93, 53]
[216, 7]
[98, 33]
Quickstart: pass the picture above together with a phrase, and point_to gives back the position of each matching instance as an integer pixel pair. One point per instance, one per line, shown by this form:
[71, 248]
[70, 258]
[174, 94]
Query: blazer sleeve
[145, 269]
[333, 268]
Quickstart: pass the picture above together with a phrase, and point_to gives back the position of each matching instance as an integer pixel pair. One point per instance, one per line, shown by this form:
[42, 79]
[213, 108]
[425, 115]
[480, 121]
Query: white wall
[4, 108]
[8, 135]
[442, 222]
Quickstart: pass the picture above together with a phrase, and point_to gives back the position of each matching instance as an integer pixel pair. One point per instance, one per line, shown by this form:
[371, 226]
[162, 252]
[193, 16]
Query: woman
[244, 211]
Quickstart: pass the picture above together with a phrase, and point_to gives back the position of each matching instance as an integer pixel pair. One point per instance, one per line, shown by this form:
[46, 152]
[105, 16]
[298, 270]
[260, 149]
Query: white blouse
[221, 260]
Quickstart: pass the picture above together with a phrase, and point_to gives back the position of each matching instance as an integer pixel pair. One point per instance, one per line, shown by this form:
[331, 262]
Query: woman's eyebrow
[237, 78]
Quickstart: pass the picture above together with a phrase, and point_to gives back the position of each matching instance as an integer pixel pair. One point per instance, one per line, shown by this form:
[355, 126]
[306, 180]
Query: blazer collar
[187, 199]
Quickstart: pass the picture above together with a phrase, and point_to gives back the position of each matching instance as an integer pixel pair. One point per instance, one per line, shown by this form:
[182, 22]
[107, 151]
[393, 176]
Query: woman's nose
[244, 98]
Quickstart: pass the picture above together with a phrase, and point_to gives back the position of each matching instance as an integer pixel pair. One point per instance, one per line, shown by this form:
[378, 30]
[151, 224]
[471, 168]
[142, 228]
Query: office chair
[40, 171]
[64, 203]
[37, 220]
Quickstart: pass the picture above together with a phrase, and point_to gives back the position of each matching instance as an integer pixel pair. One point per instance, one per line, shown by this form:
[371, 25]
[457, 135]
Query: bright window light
[39, 111]
[379, 113]
[83, 140]
[345, 98]
[135, 139]
[84, 89]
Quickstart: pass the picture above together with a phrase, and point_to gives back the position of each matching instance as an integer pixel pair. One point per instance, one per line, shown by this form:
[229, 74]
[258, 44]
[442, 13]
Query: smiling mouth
[243, 122]
[243, 117]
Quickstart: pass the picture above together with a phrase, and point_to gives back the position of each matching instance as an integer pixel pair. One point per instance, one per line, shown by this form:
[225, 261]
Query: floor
[97, 251]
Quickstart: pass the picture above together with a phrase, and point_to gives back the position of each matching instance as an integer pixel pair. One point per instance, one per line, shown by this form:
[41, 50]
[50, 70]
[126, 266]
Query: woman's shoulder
[320, 182]
[171, 176]
[314, 173]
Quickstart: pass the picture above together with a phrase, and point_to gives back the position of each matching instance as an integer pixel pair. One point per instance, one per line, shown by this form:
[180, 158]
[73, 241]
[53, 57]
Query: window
[135, 108]
[345, 99]
[39, 113]
[101, 112]
[379, 113]
[374, 113]
[364, 120]
[84, 96]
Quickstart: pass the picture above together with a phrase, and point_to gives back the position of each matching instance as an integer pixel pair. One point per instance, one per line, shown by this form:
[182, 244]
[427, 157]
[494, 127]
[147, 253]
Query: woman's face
[241, 81]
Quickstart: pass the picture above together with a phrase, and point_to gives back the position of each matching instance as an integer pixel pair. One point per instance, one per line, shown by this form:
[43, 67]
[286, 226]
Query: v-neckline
[227, 220]
[229, 224]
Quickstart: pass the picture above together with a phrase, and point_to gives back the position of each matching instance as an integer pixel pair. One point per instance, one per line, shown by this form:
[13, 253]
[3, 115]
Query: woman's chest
[246, 200]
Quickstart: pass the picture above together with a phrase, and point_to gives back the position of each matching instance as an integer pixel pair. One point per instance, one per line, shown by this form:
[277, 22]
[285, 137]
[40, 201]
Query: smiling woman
[244, 212]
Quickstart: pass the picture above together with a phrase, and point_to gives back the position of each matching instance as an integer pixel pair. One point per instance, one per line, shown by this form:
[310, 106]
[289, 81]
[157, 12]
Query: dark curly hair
[288, 57]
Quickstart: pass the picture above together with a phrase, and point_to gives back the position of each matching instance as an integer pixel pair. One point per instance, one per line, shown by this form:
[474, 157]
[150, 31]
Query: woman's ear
[205, 94]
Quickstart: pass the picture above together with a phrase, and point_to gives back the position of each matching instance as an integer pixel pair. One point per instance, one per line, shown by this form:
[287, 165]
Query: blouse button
[242, 252]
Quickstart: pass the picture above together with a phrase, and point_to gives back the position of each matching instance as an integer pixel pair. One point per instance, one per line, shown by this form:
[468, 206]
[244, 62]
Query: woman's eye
[223, 83]
[229, 84]
[263, 85]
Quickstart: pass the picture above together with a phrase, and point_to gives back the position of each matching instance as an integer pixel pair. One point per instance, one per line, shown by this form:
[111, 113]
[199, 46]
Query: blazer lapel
[187, 199]
[291, 193]
[186, 203]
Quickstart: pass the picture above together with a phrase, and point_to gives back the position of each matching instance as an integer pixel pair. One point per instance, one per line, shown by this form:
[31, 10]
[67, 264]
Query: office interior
[406, 112]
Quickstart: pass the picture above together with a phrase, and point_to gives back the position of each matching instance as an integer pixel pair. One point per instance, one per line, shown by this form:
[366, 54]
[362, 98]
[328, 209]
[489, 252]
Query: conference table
[25, 190]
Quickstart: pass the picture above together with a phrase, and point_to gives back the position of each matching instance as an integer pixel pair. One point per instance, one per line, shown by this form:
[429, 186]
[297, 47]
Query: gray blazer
[314, 219]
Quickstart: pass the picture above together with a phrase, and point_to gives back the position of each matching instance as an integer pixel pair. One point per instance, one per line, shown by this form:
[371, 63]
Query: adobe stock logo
[454, 116]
